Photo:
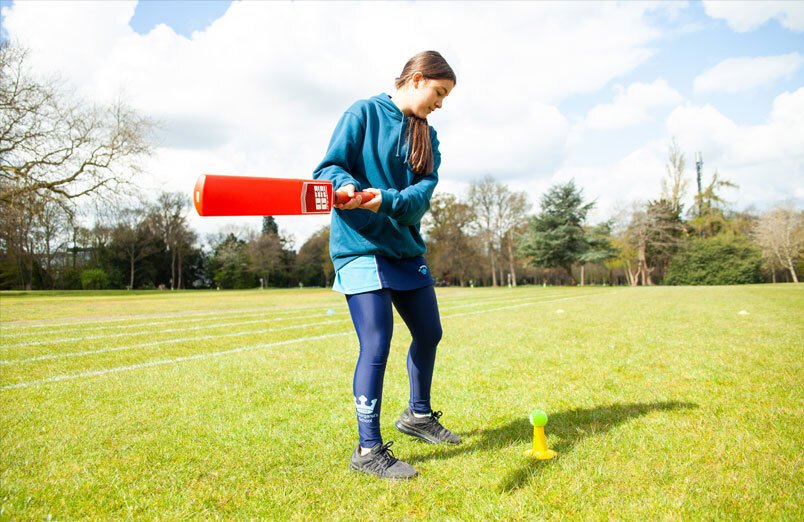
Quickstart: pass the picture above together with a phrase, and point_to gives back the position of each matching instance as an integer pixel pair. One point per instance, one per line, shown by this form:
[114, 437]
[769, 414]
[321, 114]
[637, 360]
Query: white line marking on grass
[518, 305]
[51, 356]
[152, 324]
[46, 357]
[208, 326]
[475, 304]
[79, 321]
[175, 360]
[106, 371]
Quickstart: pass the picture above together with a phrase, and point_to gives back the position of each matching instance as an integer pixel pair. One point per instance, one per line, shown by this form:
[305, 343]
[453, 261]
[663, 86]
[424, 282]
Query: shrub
[69, 279]
[94, 279]
[725, 259]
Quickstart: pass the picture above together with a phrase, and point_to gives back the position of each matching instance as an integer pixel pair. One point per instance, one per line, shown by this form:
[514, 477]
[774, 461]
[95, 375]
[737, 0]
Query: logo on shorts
[362, 407]
[423, 270]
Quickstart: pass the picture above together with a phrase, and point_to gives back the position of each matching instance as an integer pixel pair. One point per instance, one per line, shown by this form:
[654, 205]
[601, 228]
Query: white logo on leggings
[362, 407]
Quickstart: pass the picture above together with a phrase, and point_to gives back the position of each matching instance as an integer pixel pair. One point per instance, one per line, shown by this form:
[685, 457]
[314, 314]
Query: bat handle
[339, 198]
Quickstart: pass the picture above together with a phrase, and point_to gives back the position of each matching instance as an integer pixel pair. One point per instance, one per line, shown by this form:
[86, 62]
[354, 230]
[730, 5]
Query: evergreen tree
[269, 226]
[556, 238]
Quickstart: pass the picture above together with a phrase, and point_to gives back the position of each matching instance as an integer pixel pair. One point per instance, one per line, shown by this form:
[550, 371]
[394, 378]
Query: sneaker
[427, 429]
[381, 462]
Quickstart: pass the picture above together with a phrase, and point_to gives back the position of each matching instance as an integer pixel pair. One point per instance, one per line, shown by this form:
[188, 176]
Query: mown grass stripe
[47, 323]
[175, 360]
[206, 326]
[519, 305]
[236, 350]
[79, 321]
[52, 356]
[167, 318]
[210, 326]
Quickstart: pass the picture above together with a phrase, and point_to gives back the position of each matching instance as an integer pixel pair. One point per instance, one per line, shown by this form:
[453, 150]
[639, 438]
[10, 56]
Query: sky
[547, 92]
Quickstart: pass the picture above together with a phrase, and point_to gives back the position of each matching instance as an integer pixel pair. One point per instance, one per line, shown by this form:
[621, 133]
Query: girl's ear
[417, 79]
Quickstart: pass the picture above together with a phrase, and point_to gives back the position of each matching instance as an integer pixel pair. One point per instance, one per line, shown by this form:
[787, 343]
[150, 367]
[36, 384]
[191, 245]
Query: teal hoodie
[369, 149]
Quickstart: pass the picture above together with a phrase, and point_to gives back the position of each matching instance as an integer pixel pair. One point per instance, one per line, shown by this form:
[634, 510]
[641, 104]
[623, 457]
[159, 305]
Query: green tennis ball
[538, 418]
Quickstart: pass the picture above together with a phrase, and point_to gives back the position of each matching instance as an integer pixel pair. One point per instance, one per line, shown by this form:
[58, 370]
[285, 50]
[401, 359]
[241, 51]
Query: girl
[385, 147]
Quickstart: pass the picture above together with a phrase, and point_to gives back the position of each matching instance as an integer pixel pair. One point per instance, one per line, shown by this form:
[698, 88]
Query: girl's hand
[374, 203]
[353, 202]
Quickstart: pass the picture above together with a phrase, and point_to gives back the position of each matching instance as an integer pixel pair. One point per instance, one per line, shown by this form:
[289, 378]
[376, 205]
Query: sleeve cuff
[358, 188]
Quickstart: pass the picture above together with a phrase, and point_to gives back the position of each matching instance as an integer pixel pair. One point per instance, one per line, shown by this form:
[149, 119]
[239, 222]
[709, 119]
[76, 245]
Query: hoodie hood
[390, 110]
[388, 105]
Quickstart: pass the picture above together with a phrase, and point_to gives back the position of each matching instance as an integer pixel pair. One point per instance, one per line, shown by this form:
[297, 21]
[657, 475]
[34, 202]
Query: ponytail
[420, 156]
[433, 66]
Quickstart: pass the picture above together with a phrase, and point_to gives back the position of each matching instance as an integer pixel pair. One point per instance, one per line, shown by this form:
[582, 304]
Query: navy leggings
[373, 319]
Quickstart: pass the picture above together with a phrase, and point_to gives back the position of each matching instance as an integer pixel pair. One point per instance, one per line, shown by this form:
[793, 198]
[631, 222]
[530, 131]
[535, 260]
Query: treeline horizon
[60, 155]
[487, 237]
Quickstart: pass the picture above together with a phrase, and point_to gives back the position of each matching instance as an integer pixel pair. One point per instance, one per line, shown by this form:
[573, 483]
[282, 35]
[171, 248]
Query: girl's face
[427, 95]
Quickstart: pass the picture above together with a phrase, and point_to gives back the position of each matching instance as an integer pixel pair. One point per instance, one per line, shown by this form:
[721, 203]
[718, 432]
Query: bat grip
[339, 198]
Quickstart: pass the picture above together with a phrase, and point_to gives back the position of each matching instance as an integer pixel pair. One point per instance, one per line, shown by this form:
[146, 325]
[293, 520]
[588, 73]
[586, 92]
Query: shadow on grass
[569, 426]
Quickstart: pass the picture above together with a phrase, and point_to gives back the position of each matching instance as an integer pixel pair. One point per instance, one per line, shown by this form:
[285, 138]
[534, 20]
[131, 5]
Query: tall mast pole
[699, 169]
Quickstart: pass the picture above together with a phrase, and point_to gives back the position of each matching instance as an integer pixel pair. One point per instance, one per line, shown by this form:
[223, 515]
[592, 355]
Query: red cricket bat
[217, 195]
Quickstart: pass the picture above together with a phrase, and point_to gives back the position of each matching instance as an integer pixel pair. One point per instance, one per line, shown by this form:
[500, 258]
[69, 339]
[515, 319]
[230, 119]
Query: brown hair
[433, 66]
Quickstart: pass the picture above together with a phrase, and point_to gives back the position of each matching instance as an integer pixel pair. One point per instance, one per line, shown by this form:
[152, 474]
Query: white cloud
[631, 107]
[636, 177]
[766, 161]
[747, 16]
[740, 74]
[259, 91]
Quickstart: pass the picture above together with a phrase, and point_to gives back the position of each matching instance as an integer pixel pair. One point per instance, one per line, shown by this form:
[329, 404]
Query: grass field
[664, 404]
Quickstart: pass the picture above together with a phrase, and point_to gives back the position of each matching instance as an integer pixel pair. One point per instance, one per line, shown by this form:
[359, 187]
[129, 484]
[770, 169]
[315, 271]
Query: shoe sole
[422, 436]
[356, 469]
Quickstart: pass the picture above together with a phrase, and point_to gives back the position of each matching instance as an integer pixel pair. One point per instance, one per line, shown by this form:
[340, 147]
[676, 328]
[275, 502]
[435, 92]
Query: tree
[57, 148]
[50, 239]
[16, 233]
[513, 208]
[452, 253]
[134, 238]
[265, 255]
[626, 256]
[674, 185]
[269, 225]
[484, 201]
[497, 213]
[711, 207]
[556, 237]
[55, 151]
[184, 240]
[600, 248]
[170, 219]
[229, 264]
[780, 235]
[313, 265]
[654, 234]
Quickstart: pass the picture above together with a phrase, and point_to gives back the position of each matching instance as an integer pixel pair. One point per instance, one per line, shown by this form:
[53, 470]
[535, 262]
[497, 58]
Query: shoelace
[433, 421]
[384, 458]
